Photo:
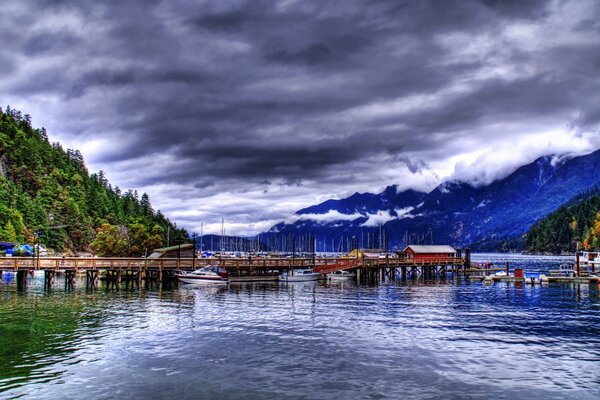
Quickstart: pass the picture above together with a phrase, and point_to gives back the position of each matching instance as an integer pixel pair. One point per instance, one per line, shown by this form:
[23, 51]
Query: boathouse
[428, 253]
[179, 251]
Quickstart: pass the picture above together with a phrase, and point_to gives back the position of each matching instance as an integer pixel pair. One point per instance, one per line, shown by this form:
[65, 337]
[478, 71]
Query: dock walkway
[114, 269]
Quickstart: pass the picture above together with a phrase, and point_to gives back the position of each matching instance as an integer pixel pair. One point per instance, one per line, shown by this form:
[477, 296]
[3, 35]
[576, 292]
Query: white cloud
[329, 216]
[379, 218]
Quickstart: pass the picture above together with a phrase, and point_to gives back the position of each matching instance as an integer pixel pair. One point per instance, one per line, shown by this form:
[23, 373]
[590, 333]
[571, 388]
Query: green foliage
[44, 188]
[568, 227]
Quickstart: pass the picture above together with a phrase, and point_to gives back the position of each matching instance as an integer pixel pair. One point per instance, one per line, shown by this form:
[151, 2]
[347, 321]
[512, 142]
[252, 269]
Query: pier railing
[247, 263]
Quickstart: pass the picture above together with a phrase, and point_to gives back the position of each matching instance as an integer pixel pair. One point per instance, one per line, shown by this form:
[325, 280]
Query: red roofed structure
[429, 253]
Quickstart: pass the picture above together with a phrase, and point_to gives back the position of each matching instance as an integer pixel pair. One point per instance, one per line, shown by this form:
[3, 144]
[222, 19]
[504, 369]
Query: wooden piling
[48, 278]
[21, 278]
[69, 279]
[467, 264]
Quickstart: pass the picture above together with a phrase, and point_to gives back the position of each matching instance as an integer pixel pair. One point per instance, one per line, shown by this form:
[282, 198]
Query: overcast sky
[252, 110]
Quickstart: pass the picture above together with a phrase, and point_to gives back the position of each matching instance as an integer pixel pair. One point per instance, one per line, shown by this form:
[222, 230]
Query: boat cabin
[429, 253]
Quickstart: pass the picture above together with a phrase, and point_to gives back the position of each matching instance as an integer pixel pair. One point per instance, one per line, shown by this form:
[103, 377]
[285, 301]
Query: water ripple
[450, 339]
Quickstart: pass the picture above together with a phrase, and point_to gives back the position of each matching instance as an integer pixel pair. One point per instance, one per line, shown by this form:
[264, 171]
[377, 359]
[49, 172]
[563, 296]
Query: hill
[48, 191]
[575, 225]
[490, 217]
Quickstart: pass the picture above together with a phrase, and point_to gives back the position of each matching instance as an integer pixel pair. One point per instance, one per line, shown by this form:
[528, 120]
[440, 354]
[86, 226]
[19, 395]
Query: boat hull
[299, 278]
[341, 277]
[202, 280]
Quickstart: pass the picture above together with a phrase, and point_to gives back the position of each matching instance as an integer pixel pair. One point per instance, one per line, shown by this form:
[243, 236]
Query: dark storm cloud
[250, 93]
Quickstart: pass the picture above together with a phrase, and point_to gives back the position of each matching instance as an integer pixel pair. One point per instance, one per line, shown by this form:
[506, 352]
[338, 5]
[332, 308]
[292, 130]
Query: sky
[251, 110]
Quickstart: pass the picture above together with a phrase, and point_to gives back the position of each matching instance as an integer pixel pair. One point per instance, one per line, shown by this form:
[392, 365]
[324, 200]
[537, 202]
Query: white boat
[533, 278]
[566, 270]
[299, 275]
[341, 275]
[208, 274]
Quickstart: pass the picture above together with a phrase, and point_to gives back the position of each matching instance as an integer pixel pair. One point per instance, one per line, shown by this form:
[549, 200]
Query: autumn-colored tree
[138, 236]
[110, 241]
[592, 239]
[156, 239]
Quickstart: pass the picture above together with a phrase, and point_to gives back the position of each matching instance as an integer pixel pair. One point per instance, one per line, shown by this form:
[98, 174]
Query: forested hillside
[562, 230]
[48, 190]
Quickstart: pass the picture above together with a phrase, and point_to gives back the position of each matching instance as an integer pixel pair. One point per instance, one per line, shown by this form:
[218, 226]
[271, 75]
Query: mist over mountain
[455, 212]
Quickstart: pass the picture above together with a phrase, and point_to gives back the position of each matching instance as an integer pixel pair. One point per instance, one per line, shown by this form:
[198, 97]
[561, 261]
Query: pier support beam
[21, 278]
[48, 279]
[69, 279]
[91, 278]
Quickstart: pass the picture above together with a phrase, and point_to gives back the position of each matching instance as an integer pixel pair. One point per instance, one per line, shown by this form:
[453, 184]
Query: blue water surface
[446, 338]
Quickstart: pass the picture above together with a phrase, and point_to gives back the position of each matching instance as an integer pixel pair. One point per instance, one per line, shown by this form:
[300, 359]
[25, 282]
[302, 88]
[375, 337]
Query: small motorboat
[533, 278]
[208, 274]
[299, 275]
[341, 275]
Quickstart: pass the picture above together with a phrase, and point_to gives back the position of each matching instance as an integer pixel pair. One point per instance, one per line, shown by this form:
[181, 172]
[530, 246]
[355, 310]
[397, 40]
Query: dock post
[48, 279]
[506, 267]
[91, 278]
[21, 278]
[358, 275]
[577, 263]
[467, 260]
[69, 279]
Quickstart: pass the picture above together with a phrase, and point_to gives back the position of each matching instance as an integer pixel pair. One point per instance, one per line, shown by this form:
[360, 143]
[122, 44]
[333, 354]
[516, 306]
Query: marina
[375, 339]
[358, 266]
[169, 265]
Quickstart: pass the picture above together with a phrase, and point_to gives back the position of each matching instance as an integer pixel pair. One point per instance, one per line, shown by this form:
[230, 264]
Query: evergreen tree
[45, 188]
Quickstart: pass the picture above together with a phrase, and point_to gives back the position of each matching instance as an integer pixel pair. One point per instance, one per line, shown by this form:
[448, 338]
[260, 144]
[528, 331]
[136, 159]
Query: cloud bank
[251, 110]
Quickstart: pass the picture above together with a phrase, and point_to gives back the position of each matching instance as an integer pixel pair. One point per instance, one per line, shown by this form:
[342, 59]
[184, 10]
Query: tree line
[573, 226]
[47, 191]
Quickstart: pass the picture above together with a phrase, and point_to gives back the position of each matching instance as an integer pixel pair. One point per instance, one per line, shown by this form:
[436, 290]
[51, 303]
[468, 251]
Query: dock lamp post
[37, 235]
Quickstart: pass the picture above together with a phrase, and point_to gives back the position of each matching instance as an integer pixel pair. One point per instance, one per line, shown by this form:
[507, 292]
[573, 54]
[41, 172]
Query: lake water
[453, 338]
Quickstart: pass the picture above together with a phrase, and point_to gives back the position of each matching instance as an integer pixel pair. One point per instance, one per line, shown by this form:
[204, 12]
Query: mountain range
[489, 217]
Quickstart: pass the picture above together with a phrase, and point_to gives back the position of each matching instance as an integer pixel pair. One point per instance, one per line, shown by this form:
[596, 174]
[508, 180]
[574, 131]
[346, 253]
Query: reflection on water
[453, 338]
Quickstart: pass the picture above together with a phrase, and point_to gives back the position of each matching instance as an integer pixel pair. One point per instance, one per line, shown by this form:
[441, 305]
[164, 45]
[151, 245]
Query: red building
[426, 253]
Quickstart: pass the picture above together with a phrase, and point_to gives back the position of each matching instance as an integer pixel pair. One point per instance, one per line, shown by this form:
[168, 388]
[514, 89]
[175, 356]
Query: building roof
[177, 247]
[158, 253]
[420, 249]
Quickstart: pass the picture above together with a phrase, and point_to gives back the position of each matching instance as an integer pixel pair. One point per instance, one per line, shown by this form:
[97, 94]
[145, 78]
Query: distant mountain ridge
[455, 212]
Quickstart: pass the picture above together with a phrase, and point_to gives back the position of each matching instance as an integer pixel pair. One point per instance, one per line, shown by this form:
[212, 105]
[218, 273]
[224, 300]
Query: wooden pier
[116, 270]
